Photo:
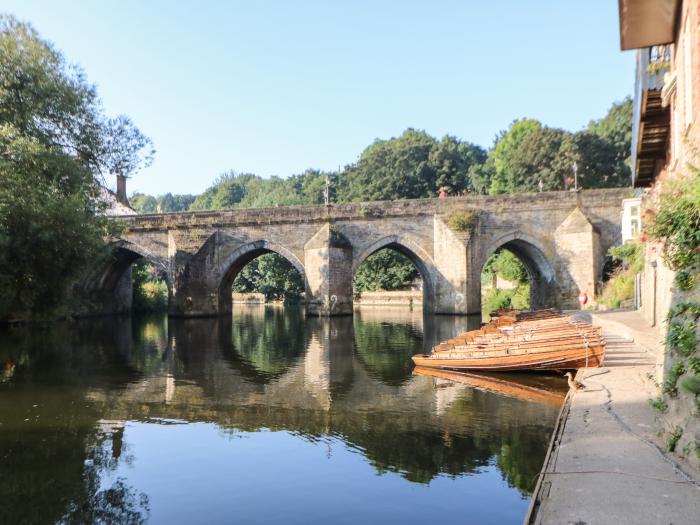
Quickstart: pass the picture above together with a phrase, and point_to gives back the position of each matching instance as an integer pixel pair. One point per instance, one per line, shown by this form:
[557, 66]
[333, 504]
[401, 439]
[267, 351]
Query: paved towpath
[604, 467]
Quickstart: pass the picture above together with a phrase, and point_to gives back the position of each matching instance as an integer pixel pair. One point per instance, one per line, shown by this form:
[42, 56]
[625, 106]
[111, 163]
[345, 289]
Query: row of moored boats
[512, 340]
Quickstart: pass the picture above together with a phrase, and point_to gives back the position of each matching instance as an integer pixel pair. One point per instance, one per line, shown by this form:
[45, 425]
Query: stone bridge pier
[561, 238]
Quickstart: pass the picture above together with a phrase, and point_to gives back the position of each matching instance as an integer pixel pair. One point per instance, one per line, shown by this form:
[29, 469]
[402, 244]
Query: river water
[265, 417]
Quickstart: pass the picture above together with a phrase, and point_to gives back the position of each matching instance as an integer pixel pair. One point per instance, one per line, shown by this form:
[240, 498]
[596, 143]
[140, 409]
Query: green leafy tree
[615, 130]
[165, 203]
[272, 275]
[505, 153]
[226, 192]
[538, 158]
[144, 203]
[397, 168]
[170, 203]
[385, 269]
[481, 176]
[411, 166]
[123, 149]
[54, 142]
[452, 161]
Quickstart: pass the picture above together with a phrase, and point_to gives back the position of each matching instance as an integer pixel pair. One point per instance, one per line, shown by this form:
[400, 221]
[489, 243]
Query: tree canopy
[529, 152]
[167, 202]
[55, 142]
[417, 165]
[411, 166]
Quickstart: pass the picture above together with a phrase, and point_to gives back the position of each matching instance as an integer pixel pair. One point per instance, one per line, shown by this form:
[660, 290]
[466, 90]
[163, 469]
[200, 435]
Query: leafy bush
[385, 269]
[671, 384]
[684, 309]
[150, 292]
[630, 254]
[685, 281]
[461, 221]
[681, 337]
[694, 365]
[659, 404]
[506, 265]
[673, 439]
[521, 297]
[691, 384]
[494, 299]
[619, 288]
[676, 221]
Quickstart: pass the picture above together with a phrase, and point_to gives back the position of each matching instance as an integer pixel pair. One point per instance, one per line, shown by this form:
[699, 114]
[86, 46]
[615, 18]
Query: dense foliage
[150, 289]
[417, 165]
[55, 142]
[162, 203]
[411, 166]
[272, 275]
[507, 266]
[386, 269]
[529, 153]
[619, 287]
[676, 221]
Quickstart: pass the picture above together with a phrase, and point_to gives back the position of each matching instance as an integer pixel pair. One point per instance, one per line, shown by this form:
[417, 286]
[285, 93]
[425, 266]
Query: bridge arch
[235, 261]
[544, 292]
[414, 252]
[106, 281]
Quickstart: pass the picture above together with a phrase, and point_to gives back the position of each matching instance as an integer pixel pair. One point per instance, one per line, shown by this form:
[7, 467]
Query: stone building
[666, 131]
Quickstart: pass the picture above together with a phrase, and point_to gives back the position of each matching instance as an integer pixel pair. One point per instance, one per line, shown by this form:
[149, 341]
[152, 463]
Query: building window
[631, 219]
[634, 228]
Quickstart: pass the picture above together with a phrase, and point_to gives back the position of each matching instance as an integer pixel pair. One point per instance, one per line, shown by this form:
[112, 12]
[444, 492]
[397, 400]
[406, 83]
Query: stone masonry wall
[203, 251]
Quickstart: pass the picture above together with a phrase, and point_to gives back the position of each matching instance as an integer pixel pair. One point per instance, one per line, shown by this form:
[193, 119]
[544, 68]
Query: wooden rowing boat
[521, 341]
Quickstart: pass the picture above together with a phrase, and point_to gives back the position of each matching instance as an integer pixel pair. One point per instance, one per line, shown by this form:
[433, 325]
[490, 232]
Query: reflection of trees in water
[264, 345]
[51, 452]
[150, 342]
[385, 350]
[118, 503]
[59, 370]
[477, 429]
[416, 445]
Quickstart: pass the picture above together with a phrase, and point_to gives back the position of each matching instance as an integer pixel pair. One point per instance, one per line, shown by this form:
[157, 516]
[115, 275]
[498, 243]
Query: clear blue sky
[274, 88]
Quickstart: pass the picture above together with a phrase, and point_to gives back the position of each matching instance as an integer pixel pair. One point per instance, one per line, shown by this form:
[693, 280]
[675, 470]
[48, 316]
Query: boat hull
[537, 360]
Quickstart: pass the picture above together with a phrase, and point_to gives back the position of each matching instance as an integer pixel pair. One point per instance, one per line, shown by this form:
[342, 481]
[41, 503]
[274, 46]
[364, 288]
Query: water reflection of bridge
[344, 377]
[319, 376]
[268, 356]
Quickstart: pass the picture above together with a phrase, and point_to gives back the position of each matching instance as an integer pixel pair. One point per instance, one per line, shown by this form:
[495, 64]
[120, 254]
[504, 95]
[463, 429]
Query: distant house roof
[646, 23]
[114, 207]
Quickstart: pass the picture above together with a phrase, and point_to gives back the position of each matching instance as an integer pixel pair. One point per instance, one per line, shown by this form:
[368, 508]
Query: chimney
[121, 190]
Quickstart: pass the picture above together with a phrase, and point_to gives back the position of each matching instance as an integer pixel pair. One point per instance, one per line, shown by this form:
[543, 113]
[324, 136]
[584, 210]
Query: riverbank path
[604, 466]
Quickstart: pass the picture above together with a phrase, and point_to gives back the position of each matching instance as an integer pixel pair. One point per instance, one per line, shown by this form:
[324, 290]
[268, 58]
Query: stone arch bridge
[561, 238]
